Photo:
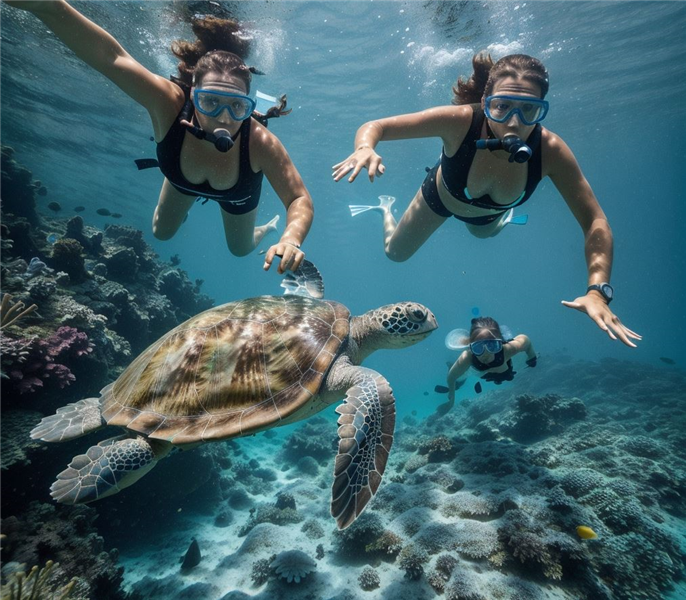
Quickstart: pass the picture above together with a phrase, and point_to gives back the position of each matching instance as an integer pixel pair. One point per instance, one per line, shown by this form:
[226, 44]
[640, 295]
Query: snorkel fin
[220, 138]
[519, 151]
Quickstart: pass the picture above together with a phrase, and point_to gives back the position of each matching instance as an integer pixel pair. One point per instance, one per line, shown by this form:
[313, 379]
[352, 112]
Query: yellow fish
[586, 533]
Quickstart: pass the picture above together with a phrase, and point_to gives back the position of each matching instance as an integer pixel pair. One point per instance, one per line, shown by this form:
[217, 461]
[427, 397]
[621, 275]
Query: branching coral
[369, 579]
[388, 543]
[34, 585]
[411, 560]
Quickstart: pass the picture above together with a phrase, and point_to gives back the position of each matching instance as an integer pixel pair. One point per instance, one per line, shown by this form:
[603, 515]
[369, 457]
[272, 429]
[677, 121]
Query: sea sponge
[67, 256]
[293, 565]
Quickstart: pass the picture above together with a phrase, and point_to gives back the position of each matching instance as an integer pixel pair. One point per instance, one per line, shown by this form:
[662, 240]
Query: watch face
[607, 290]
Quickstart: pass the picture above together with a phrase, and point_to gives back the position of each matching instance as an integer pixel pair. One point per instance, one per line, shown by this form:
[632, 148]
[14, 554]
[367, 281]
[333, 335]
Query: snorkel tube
[519, 151]
[221, 138]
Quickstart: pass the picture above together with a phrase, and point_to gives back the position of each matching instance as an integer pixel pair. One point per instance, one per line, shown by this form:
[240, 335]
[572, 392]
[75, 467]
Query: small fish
[51, 238]
[441, 389]
[55, 206]
[477, 387]
[426, 393]
[79, 208]
[667, 360]
[414, 413]
[475, 311]
[116, 215]
[104, 212]
[586, 533]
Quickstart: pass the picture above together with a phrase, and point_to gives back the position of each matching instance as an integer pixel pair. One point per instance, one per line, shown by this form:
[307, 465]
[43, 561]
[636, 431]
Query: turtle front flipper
[106, 469]
[70, 421]
[366, 425]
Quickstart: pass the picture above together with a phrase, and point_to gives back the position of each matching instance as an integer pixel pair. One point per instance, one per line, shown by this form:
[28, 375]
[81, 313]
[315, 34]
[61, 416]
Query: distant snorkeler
[487, 348]
[500, 108]
[207, 143]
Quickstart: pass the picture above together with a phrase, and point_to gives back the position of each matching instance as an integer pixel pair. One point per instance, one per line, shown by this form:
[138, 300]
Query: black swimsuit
[498, 360]
[238, 200]
[455, 171]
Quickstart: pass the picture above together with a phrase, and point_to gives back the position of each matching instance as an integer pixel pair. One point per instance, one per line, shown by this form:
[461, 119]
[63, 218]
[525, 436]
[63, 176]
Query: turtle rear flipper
[70, 422]
[306, 281]
[366, 424]
[105, 469]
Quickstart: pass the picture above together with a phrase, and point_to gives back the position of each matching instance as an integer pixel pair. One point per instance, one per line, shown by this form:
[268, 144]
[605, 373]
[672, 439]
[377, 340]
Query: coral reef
[369, 579]
[293, 565]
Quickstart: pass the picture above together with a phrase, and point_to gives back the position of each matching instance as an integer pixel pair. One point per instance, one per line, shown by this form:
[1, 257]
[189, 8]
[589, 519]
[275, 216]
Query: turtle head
[395, 326]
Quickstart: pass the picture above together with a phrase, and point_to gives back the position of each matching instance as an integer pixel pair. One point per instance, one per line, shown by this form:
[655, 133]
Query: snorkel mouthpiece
[221, 138]
[519, 151]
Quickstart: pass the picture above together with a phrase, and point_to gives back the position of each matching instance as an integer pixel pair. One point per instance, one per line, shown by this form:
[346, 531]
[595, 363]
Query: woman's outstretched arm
[447, 122]
[98, 49]
[565, 173]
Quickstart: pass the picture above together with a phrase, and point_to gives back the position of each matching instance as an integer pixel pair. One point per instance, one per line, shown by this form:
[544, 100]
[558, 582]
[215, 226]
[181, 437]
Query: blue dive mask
[213, 102]
[493, 346]
[530, 110]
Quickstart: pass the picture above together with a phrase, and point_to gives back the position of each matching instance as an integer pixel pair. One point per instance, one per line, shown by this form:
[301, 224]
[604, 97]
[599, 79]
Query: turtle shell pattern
[229, 371]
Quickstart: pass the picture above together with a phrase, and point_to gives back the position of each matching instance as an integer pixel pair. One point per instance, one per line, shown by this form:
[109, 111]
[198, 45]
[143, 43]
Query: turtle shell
[229, 371]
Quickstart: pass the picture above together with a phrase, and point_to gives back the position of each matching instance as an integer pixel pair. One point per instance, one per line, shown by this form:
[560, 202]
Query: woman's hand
[291, 257]
[362, 158]
[596, 308]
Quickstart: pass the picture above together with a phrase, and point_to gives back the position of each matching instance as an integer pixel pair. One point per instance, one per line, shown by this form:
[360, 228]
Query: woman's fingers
[575, 305]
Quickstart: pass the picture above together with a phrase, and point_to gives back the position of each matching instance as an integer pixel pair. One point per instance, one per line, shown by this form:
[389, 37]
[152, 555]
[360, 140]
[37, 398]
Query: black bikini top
[455, 169]
[169, 161]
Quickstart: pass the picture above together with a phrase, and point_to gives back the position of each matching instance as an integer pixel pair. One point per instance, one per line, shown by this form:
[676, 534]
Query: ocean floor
[482, 503]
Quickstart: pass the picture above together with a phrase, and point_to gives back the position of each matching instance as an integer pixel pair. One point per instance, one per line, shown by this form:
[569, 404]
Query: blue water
[617, 90]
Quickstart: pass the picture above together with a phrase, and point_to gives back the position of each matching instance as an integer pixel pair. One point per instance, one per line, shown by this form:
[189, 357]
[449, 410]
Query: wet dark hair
[481, 323]
[486, 73]
[221, 46]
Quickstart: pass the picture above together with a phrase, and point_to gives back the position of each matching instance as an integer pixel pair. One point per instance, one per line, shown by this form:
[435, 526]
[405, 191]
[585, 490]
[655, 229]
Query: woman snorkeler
[488, 349]
[207, 143]
[499, 108]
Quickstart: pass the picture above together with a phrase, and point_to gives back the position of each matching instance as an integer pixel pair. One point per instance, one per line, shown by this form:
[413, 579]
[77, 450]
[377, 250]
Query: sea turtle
[241, 368]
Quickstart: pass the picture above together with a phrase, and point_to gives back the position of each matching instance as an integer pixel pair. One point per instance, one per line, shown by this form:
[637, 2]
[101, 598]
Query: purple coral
[27, 363]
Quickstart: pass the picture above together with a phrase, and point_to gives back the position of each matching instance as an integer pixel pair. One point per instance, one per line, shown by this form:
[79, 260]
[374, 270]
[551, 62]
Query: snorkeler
[488, 349]
[209, 144]
[499, 110]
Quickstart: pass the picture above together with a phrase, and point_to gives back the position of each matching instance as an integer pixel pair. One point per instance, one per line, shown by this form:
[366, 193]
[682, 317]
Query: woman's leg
[403, 239]
[242, 237]
[170, 213]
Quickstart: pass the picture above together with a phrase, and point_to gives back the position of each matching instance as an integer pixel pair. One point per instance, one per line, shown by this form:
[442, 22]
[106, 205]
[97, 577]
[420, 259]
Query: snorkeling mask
[500, 109]
[529, 110]
[212, 103]
[479, 347]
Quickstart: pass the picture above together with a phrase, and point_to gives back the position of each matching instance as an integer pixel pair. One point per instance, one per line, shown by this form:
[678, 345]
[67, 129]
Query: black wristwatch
[605, 289]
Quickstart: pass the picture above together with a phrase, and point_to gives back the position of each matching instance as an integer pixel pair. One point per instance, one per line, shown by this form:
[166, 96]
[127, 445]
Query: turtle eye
[416, 314]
